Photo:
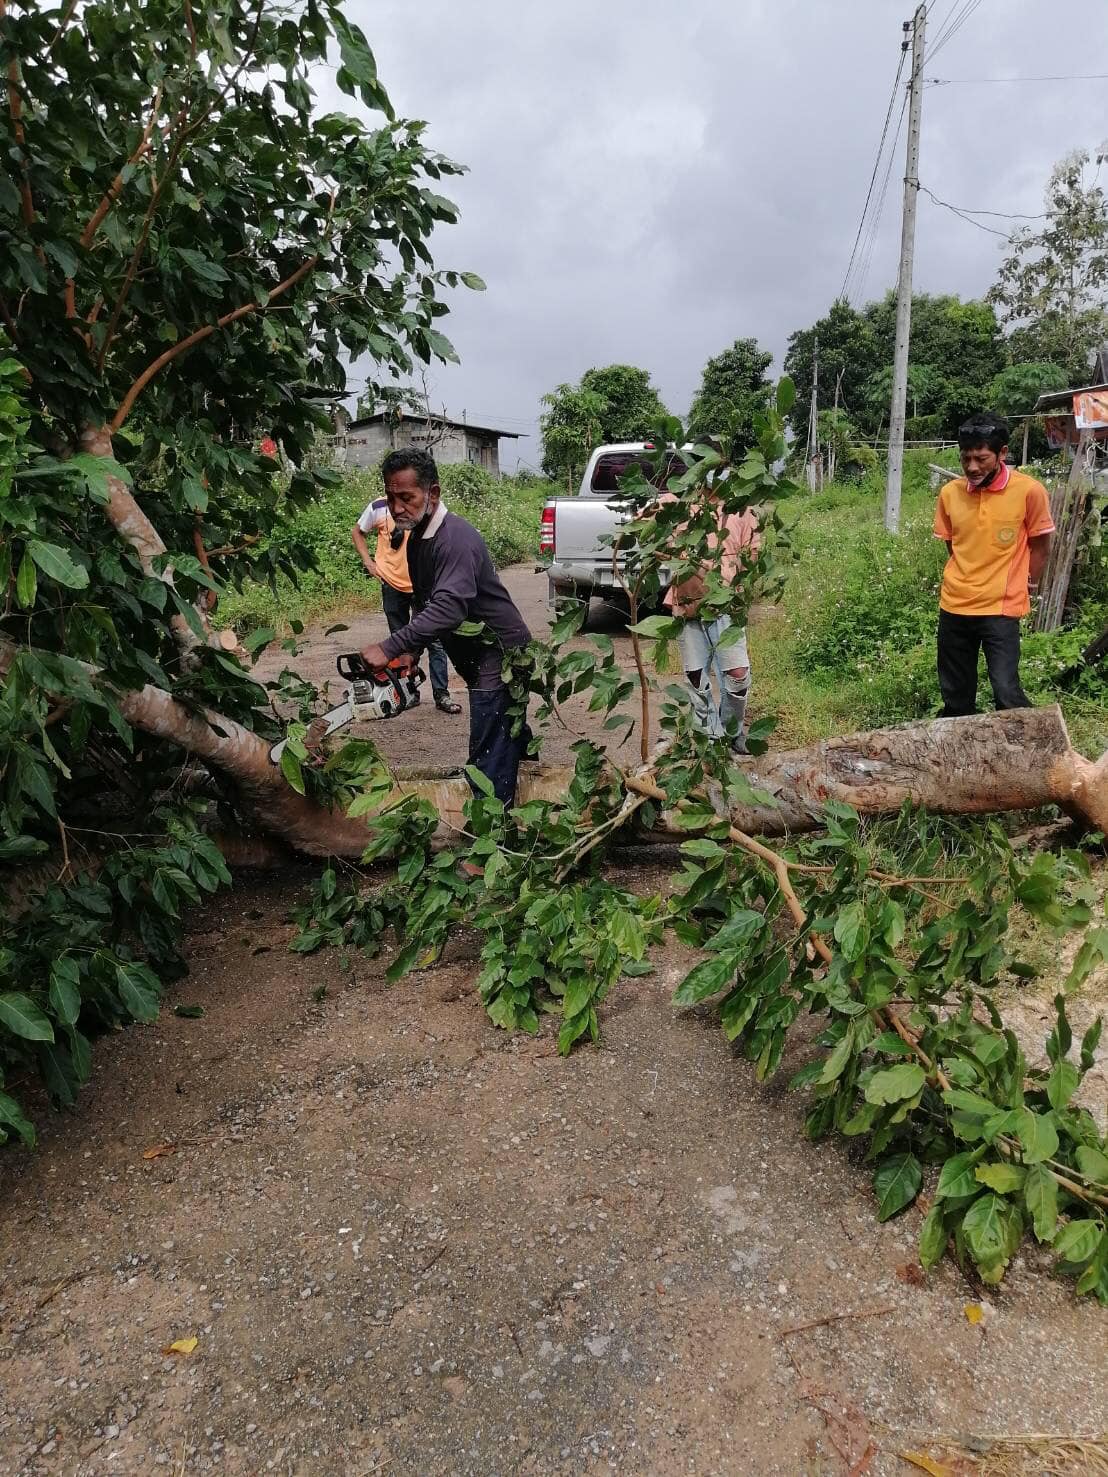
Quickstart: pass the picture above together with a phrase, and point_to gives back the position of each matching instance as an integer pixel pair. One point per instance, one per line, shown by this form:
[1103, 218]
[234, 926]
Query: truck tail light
[546, 531]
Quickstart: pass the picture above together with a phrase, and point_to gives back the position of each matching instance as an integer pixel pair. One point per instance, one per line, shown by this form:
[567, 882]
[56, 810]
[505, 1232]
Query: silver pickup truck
[572, 531]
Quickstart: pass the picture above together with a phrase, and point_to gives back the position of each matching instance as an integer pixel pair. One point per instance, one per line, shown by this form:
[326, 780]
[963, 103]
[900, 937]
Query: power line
[966, 210]
[875, 220]
[876, 167]
[956, 25]
[943, 27]
[1005, 235]
[1058, 77]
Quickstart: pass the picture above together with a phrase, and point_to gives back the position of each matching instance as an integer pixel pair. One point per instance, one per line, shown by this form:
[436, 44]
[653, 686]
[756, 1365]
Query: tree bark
[1017, 760]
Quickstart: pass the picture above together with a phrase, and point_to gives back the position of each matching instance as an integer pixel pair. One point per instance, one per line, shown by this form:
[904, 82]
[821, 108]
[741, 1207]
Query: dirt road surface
[405, 1242]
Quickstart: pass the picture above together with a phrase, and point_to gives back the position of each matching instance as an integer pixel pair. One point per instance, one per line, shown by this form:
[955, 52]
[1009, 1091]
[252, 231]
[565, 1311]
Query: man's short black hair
[422, 463]
[984, 429]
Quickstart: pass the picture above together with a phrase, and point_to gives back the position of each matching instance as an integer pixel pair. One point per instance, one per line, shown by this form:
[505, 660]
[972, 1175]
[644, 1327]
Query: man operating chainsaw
[454, 581]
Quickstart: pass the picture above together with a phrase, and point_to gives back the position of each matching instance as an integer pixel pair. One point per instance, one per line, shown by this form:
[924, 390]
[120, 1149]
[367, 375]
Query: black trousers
[492, 749]
[961, 638]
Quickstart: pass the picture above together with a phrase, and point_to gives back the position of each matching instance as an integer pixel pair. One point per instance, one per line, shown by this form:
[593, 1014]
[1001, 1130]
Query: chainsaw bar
[370, 695]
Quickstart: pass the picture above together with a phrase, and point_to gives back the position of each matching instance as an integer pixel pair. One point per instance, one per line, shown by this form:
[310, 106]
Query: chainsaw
[370, 694]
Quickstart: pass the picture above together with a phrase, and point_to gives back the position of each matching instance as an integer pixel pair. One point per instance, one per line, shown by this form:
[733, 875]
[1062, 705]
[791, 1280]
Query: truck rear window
[610, 470]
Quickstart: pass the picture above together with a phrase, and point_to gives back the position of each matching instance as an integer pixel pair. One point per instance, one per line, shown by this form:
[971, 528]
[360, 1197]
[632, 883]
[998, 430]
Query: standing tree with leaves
[733, 390]
[189, 246]
[614, 403]
[1052, 290]
[571, 426]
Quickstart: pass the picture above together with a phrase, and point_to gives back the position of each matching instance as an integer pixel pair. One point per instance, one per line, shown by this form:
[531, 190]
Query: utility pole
[918, 25]
[812, 450]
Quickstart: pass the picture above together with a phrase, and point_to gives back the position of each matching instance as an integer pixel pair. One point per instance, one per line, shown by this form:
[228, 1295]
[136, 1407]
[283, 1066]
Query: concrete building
[365, 441]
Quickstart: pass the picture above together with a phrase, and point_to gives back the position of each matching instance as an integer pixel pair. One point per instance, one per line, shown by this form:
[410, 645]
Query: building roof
[438, 420]
[1056, 399]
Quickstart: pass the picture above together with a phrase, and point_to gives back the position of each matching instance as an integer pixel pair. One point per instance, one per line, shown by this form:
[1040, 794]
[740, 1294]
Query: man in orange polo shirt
[996, 525]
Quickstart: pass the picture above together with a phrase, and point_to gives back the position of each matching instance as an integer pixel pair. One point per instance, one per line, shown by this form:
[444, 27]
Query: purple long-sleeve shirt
[455, 580]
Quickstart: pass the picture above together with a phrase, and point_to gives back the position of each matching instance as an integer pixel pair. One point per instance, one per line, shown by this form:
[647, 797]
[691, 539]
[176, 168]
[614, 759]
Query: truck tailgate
[579, 525]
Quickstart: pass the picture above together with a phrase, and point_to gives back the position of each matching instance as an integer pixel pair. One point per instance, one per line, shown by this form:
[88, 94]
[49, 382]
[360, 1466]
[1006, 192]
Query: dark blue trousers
[492, 749]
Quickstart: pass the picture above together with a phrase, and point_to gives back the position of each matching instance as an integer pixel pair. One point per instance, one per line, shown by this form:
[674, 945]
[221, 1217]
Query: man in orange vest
[389, 564]
[996, 525]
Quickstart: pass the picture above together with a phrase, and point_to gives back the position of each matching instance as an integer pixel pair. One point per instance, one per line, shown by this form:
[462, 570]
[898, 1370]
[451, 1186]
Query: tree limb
[176, 350]
[96, 219]
[240, 754]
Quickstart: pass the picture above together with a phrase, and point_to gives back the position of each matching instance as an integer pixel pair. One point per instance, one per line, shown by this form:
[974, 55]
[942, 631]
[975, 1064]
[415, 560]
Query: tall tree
[613, 403]
[1052, 289]
[571, 426]
[189, 246]
[848, 355]
[632, 406]
[733, 389]
[956, 349]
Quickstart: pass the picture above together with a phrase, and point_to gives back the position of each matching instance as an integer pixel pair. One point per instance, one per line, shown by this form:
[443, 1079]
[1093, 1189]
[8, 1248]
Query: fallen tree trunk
[1018, 760]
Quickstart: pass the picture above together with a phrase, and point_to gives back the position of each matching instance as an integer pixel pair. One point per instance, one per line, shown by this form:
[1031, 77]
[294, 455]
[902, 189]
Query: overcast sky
[649, 181]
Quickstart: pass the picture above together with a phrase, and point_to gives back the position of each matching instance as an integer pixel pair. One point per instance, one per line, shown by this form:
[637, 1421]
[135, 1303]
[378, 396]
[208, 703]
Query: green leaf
[81, 1053]
[290, 768]
[1078, 1241]
[896, 1183]
[1037, 1135]
[189, 1012]
[894, 1084]
[737, 931]
[259, 638]
[57, 563]
[65, 990]
[480, 781]
[17, 848]
[992, 1227]
[1001, 1177]
[836, 1063]
[140, 1000]
[472, 281]
[26, 582]
[708, 978]
[1089, 1043]
[702, 847]
[933, 1237]
[11, 1116]
[1062, 1083]
[1040, 1195]
[657, 628]
[957, 1178]
[850, 930]
[1093, 1164]
[23, 1017]
[786, 395]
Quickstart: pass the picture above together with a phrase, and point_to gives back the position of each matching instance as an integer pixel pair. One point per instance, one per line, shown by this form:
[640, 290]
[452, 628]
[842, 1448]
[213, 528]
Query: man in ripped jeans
[701, 641]
[453, 581]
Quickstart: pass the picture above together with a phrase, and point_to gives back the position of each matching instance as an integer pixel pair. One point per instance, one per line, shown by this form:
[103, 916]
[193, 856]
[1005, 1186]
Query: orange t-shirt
[392, 563]
[988, 532]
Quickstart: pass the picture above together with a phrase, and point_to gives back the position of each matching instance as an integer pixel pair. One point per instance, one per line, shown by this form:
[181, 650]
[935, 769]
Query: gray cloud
[648, 182]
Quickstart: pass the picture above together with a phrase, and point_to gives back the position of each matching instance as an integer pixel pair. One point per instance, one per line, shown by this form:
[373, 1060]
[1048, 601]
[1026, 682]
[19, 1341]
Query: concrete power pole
[918, 24]
[811, 456]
